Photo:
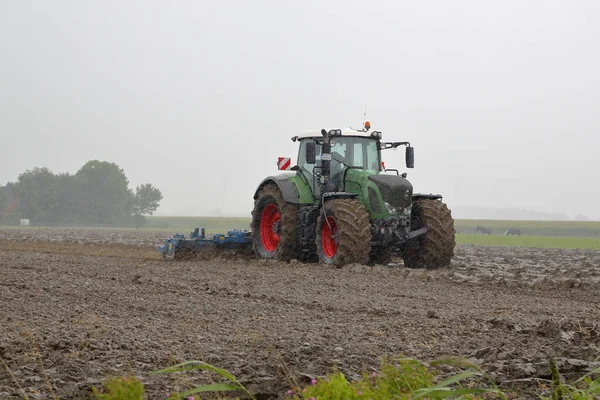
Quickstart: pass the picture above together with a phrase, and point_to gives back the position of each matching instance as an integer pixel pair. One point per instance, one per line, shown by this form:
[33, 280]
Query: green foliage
[404, 379]
[584, 388]
[120, 388]
[97, 194]
[67, 200]
[334, 387]
[558, 391]
[530, 241]
[215, 387]
[146, 200]
[103, 193]
[38, 192]
[10, 207]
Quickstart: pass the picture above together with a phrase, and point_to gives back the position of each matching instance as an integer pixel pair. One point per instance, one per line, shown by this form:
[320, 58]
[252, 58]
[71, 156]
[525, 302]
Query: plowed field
[78, 305]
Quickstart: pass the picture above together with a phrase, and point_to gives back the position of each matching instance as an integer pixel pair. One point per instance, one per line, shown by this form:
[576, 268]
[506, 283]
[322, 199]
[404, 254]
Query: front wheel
[343, 233]
[435, 249]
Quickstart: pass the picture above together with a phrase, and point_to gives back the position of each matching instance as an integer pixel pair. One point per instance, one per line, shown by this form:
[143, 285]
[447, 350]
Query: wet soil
[79, 305]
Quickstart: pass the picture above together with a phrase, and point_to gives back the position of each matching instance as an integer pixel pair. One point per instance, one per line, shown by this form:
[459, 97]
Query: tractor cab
[347, 152]
[349, 149]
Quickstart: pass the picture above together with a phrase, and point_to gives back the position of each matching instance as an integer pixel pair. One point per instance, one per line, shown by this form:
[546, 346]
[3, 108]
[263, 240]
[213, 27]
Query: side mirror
[311, 153]
[410, 157]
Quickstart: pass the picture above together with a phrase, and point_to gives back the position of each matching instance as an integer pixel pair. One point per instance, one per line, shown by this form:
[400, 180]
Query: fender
[286, 186]
[430, 196]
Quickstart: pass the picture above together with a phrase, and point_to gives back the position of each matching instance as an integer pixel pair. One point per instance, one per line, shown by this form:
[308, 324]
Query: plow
[178, 247]
[338, 205]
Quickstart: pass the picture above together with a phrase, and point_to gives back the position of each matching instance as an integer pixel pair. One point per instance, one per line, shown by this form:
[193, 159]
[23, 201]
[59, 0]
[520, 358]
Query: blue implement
[178, 247]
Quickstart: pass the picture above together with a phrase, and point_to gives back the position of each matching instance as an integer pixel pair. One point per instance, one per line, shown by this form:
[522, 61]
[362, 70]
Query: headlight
[376, 134]
[389, 208]
[335, 132]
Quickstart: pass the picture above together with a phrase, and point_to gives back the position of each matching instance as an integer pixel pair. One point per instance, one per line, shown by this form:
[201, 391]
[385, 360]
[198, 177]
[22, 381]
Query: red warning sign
[284, 163]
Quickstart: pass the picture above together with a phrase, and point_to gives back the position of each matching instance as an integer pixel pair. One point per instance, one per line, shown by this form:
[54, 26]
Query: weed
[37, 355]
[404, 379]
[213, 387]
[14, 380]
[584, 388]
[120, 388]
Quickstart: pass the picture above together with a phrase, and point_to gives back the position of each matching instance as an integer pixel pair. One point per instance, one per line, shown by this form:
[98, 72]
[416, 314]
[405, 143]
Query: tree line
[97, 194]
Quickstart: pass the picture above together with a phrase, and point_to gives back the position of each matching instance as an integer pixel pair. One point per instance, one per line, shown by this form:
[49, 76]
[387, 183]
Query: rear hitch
[417, 233]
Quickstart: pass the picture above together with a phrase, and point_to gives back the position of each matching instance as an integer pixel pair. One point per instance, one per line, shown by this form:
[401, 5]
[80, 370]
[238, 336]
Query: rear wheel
[274, 225]
[343, 233]
[435, 249]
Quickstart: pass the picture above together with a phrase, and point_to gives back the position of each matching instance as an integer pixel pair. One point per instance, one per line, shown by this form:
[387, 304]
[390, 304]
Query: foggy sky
[501, 99]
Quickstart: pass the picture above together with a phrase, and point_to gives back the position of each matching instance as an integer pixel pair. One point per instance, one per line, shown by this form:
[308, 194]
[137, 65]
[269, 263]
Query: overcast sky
[501, 99]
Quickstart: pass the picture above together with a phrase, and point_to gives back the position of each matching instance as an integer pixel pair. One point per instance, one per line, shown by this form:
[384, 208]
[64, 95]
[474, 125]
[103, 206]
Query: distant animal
[484, 231]
[513, 232]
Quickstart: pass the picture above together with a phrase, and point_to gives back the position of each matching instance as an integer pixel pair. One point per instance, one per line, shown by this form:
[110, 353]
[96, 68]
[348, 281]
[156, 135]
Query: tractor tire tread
[354, 242]
[437, 246]
[288, 248]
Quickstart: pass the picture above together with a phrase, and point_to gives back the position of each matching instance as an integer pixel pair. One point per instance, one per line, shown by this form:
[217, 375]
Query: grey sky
[499, 98]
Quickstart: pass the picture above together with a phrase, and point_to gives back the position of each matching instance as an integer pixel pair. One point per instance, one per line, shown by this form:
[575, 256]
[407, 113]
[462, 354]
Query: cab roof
[345, 132]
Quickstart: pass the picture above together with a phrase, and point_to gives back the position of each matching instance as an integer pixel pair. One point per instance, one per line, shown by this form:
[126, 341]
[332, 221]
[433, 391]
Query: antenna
[364, 120]
[364, 116]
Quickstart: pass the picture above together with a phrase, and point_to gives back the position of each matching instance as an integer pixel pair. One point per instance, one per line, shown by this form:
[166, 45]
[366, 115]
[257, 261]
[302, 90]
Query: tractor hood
[394, 190]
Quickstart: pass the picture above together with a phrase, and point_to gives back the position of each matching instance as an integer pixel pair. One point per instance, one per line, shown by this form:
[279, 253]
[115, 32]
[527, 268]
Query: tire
[435, 249]
[274, 226]
[381, 255]
[351, 238]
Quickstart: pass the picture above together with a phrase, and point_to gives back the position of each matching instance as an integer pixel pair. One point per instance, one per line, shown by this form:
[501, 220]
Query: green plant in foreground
[120, 388]
[584, 388]
[405, 379]
[213, 387]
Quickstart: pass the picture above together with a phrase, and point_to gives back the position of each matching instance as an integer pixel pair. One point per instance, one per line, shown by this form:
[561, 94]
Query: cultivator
[178, 247]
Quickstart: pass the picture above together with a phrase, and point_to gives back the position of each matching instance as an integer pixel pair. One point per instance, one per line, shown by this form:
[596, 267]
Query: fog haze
[499, 98]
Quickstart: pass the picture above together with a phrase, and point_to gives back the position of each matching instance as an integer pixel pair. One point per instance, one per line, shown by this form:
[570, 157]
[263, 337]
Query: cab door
[310, 172]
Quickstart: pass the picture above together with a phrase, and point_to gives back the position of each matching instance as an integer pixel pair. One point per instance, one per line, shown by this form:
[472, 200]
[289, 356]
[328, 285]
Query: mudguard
[430, 196]
[288, 185]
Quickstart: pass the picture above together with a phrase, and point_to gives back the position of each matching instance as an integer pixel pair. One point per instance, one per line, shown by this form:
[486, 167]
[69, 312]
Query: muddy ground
[78, 305]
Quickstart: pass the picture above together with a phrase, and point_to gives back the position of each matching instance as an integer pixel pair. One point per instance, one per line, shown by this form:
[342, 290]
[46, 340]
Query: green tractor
[336, 206]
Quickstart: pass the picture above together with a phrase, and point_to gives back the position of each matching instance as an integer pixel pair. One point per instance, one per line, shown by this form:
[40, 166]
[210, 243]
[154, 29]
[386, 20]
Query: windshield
[357, 152]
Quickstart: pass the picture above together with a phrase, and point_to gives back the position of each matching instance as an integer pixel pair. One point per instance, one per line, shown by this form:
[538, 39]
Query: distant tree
[3, 203]
[3, 195]
[10, 205]
[103, 195]
[38, 195]
[146, 200]
[67, 204]
[97, 194]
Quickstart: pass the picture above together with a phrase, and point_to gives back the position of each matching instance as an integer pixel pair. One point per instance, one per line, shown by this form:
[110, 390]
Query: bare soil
[79, 305]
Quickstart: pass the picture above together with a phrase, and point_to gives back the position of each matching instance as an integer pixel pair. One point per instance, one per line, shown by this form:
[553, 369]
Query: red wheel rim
[269, 227]
[328, 232]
